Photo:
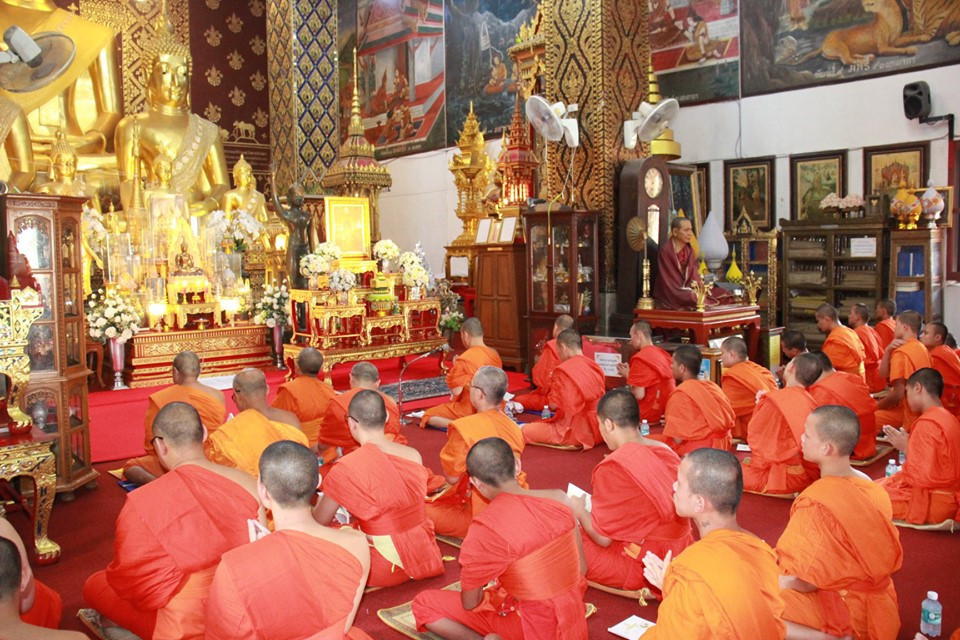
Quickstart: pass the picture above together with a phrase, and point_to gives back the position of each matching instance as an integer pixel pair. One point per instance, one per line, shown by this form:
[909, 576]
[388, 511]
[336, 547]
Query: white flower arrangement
[91, 224]
[237, 229]
[329, 251]
[451, 320]
[273, 307]
[409, 259]
[386, 250]
[342, 280]
[217, 222]
[314, 264]
[850, 201]
[416, 276]
[112, 314]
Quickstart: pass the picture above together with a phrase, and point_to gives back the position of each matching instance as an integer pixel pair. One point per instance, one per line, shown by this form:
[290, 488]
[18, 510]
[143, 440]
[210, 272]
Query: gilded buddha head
[243, 174]
[163, 168]
[168, 62]
[63, 159]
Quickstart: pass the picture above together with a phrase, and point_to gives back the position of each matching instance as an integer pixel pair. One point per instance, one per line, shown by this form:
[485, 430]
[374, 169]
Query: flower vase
[414, 293]
[385, 265]
[117, 353]
[343, 298]
[278, 345]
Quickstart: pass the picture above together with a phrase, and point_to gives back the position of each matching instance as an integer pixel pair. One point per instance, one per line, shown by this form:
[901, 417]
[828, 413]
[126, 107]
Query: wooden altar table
[29, 455]
[713, 322]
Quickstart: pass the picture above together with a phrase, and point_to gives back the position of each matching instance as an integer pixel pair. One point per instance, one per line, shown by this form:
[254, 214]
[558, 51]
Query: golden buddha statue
[199, 169]
[16, 155]
[183, 264]
[244, 195]
[169, 213]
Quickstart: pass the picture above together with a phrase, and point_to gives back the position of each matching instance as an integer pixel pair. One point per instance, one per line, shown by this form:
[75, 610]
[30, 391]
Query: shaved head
[888, 305]
[250, 382]
[187, 363]
[179, 424]
[492, 381]
[688, 357]
[828, 311]
[310, 362]
[11, 566]
[837, 425]
[862, 311]
[737, 346]
[491, 461]
[807, 368]
[716, 475]
[563, 322]
[472, 327]
[825, 362]
[938, 329]
[620, 407]
[929, 379]
[793, 339]
[368, 409]
[365, 372]
[570, 339]
[289, 472]
[642, 327]
[911, 320]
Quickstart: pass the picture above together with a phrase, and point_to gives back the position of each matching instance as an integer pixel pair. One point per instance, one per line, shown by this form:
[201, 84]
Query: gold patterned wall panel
[280, 55]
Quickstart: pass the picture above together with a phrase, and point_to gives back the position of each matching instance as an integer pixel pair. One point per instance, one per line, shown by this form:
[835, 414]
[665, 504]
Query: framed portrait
[347, 225]
[483, 230]
[703, 182]
[685, 195]
[813, 177]
[508, 230]
[749, 188]
[884, 168]
[494, 231]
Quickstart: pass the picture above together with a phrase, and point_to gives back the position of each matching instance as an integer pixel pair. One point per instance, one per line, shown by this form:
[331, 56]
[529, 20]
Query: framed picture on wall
[749, 188]
[813, 177]
[884, 168]
[703, 181]
[685, 195]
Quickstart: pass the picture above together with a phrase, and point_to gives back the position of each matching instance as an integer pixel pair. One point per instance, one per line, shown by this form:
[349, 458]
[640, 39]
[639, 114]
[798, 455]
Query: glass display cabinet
[916, 272]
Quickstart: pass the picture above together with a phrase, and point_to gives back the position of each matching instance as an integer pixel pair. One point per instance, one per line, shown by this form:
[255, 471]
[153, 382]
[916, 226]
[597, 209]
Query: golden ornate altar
[29, 454]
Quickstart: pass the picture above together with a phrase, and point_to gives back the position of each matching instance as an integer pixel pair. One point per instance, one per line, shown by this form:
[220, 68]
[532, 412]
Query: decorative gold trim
[35, 459]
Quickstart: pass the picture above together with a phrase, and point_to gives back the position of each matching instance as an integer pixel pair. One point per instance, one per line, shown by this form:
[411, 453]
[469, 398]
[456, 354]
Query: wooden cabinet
[47, 257]
[917, 271]
[756, 251]
[501, 301]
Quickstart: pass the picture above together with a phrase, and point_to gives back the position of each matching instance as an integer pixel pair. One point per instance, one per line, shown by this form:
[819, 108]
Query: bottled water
[891, 467]
[902, 457]
[931, 614]
[644, 428]
[545, 414]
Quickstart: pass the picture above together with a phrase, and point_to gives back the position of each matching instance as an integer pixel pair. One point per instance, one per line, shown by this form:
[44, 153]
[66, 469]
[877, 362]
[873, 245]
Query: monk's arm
[453, 457]
[579, 506]
[796, 584]
[139, 475]
[638, 392]
[894, 396]
[884, 368]
[799, 632]
[325, 510]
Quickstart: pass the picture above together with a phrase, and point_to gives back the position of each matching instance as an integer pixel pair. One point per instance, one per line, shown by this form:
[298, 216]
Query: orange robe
[945, 360]
[307, 398]
[461, 375]
[334, 431]
[385, 494]
[699, 415]
[240, 441]
[741, 383]
[577, 385]
[542, 373]
[848, 390]
[904, 361]
[288, 584]
[212, 414]
[927, 490]
[845, 351]
[453, 510]
[650, 369]
[171, 534]
[840, 539]
[528, 544]
[873, 353]
[724, 586]
[776, 464]
[885, 329]
[633, 505]
[47, 607]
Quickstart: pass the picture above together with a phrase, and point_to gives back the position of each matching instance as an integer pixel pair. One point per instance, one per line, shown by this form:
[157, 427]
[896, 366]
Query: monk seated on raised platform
[382, 484]
[946, 361]
[649, 374]
[576, 386]
[528, 543]
[726, 584]
[208, 402]
[632, 506]
[29, 600]
[839, 549]
[306, 396]
[901, 358]
[542, 373]
[458, 378]
[842, 343]
[304, 580]
[858, 318]
[927, 489]
[742, 381]
[848, 390]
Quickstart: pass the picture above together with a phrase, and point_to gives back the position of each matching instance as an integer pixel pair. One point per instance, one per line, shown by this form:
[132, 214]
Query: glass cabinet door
[539, 294]
[586, 268]
[561, 268]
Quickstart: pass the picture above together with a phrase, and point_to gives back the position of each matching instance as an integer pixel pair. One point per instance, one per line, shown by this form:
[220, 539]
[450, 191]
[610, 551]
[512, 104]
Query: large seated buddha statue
[16, 155]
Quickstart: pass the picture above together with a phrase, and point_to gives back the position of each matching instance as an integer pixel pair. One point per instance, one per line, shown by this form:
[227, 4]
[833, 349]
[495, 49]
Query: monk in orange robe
[792, 344]
[886, 313]
[741, 381]
[402, 544]
[458, 378]
[858, 319]
[171, 534]
[927, 489]
[945, 361]
[335, 437]
[577, 385]
[649, 374]
[306, 396]
[842, 345]
[901, 358]
[839, 549]
[631, 509]
[543, 370]
[525, 541]
[206, 400]
[775, 465]
[847, 390]
[37, 604]
[453, 509]
[241, 440]
[698, 413]
[726, 584]
[304, 580]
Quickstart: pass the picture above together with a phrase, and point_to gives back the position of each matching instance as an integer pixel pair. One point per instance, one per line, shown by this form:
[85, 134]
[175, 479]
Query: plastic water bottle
[932, 613]
[902, 457]
[891, 467]
[644, 428]
[545, 414]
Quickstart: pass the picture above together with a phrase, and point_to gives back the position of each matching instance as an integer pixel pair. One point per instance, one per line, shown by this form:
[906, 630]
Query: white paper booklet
[632, 628]
[575, 492]
[743, 446]
[608, 362]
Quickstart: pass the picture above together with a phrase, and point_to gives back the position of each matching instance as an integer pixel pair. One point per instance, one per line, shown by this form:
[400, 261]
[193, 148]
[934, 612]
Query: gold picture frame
[346, 223]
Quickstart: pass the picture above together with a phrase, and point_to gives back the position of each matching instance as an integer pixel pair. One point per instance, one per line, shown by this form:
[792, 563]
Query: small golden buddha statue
[244, 194]
[183, 264]
[16, 154]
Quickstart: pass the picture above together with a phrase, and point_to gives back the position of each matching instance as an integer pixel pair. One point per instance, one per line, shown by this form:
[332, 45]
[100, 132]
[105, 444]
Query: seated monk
[945, 361]
[335, 437]
[776, 465]
[792, 344]
[306, 396]
[402, 544]
[677, 270]
[927, 489]
[241, 440]
[698, 413]
[37, 604]
[886, 313]
[576, 386]
[842, 345]
[454, 509]
[847, 390]
[858, 319]
[458, 378]
[171, 534]
[839, 549]
[206, 400]
[304, 580]
[741, 381]
[649, 374]
[725, 584]
[527, 542]
[632, 505]
[901, 358]
[543, 370]
[16, 625]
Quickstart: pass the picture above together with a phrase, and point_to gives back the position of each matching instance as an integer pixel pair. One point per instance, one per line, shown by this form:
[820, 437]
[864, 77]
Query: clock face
[653, 182]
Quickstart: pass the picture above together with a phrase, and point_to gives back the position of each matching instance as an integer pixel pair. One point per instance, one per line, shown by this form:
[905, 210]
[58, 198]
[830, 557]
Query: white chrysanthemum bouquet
[320, 261]
[386, 250]
[416, 276]
[273, 307]
[409, 259]
[112, 314]
[342, 280]
[91, 224]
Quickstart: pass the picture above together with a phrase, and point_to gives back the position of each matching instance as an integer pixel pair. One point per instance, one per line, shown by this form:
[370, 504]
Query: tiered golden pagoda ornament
[517, 164]
[471, 170]
[356, 172]
[663, 145]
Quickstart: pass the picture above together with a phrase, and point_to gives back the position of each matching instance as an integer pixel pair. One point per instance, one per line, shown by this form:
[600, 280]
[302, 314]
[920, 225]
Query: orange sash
[545, 573]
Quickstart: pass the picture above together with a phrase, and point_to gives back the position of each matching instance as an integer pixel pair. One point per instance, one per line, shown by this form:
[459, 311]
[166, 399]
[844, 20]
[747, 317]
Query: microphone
[446, 348]
[23, 46]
